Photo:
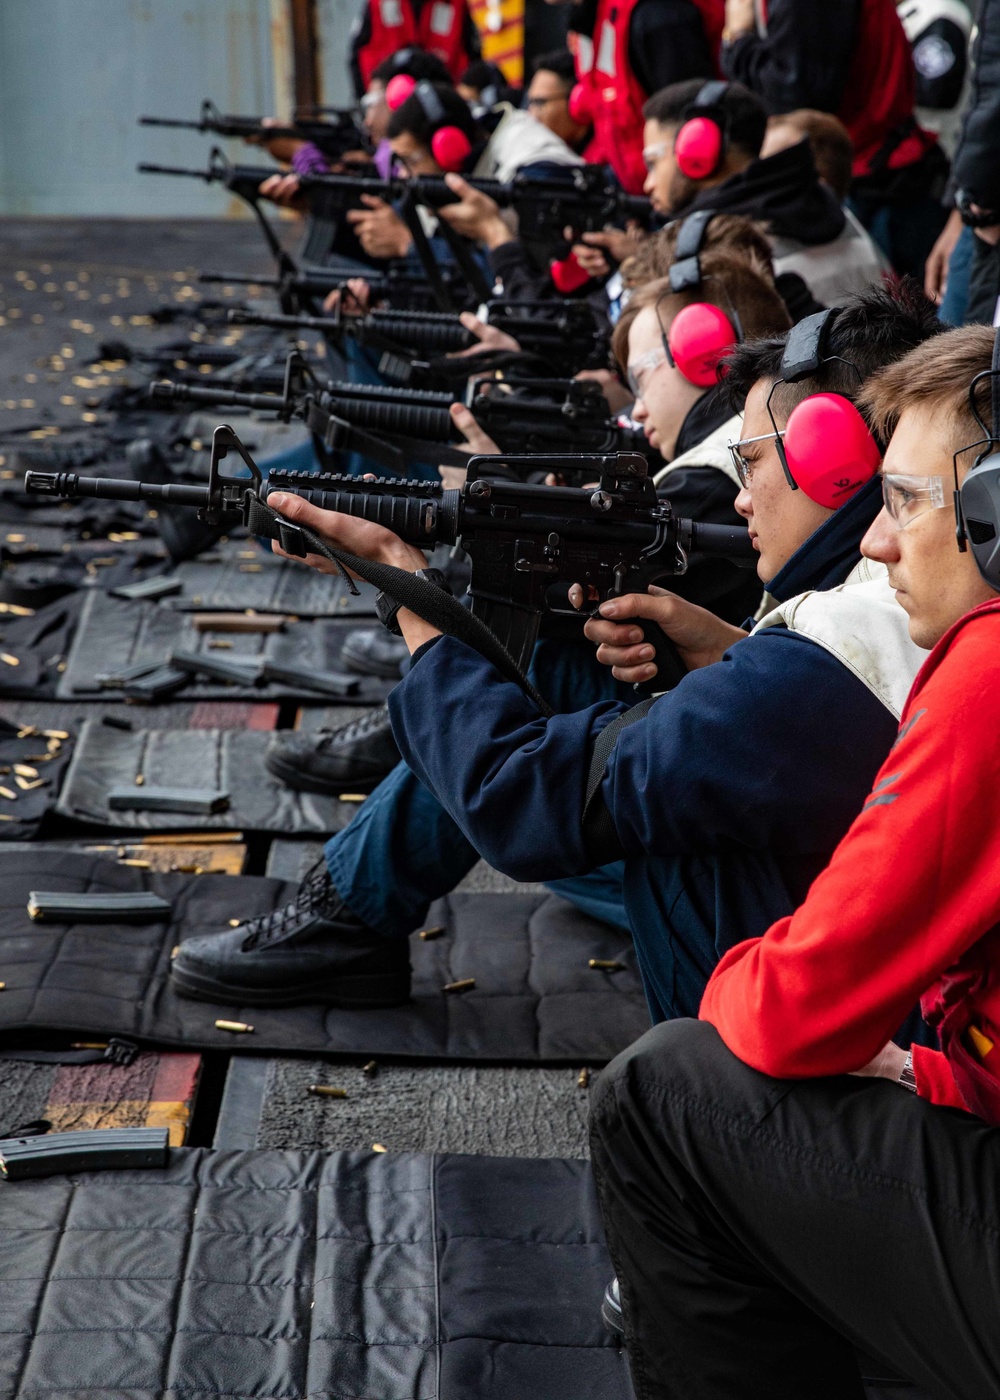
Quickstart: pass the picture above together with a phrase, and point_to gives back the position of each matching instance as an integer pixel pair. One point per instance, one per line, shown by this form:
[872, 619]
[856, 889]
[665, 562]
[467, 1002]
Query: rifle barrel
[166, 391]
[208, 175]
[110, 488]
[172, 122]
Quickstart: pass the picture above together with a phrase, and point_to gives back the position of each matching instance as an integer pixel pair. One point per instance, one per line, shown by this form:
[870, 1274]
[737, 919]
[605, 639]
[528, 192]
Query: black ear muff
[977, 500]
[685, 270]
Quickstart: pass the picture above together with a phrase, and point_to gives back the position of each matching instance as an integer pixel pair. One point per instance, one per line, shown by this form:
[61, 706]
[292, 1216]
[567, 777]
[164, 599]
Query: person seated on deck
[756, 727]
[774, 1198]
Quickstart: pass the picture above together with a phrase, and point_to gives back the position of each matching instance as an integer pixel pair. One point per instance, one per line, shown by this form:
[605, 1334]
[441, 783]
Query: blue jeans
[955, 301]
[403, 850]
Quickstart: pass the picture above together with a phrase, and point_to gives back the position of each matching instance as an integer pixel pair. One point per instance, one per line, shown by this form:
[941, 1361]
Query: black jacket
[976, 168]
[784, 192]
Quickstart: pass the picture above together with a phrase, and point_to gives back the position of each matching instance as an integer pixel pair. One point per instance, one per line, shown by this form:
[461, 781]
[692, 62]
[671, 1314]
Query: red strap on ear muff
[829, 449]
[579, 103]
[698, 338]
[450, 147]
[398, 89]
[698, 147]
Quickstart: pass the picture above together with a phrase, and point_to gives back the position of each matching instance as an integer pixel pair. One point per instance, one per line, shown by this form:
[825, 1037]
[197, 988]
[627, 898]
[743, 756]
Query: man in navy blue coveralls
[727, 797]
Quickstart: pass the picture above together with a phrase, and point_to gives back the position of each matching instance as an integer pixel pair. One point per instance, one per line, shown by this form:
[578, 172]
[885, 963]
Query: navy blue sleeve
[777, 744]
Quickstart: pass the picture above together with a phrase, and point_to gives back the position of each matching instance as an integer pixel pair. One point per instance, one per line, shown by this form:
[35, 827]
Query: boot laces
[316, 895]
[360, 728]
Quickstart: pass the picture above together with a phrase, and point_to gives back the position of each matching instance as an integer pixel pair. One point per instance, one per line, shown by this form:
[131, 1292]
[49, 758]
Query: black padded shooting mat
[113, 634]
[535, 997]
[227, 760]
[32, 767]
[294, 1275]
[246, 575]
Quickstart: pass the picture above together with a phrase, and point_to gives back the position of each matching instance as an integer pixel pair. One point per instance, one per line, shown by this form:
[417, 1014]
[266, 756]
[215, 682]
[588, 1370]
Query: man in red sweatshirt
[782, 1185]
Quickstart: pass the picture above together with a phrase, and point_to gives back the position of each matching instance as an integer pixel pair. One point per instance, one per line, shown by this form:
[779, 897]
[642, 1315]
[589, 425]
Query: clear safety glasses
[907, 498]
[642, 367]
[651, 154]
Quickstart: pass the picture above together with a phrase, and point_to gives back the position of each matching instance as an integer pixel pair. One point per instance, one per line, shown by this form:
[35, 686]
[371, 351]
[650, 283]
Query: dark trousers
[984, 283]
[763, 1229]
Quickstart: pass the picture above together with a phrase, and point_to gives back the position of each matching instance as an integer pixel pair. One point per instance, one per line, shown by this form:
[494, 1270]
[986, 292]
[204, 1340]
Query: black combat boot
[312, 950]
[374, 652]
[354, 758]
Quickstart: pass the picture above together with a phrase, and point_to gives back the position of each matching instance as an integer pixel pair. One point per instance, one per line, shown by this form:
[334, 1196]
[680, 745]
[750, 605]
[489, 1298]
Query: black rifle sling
[410, 215]
[428, 602]
[599, 834]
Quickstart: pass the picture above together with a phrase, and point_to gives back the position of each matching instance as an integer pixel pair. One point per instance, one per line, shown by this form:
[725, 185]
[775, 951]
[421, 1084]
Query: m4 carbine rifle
[334, 136]
[584, 198]
[393, 425]
[297, 288]
[526, 543]
[567, 334]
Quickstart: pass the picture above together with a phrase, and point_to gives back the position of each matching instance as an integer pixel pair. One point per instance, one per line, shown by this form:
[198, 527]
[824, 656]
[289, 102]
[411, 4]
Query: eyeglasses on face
[651, 154]
[744, 469]
[640, 370]
[532, 103]
[907, 498]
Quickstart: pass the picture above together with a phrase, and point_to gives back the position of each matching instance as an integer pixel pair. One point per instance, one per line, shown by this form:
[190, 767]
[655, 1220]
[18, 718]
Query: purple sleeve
[310, 160]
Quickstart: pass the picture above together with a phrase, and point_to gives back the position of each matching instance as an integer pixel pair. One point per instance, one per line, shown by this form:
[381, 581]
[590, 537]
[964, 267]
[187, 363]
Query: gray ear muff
[979, 494]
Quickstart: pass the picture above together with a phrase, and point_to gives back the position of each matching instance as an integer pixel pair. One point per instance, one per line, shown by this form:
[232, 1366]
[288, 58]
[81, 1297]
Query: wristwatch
[906, 1076]
[974, 218]
[386, 607]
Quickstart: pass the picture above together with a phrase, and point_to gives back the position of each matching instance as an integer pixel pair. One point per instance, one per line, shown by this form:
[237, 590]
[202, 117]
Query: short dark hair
[560, 62]
[411, 116]
[746, 114]
[481, 75]
[414, 63]
[875, 328]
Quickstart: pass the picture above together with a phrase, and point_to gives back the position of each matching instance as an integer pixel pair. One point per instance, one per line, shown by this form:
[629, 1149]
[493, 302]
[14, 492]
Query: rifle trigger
[291, 538]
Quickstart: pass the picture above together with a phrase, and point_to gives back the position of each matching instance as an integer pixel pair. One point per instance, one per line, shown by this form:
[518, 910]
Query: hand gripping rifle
[584, 198]
[395, 425]
[334, 136]
[526, 543]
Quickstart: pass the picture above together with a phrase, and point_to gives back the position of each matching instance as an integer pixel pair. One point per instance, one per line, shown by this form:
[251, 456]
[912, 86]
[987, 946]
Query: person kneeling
[773, 1196]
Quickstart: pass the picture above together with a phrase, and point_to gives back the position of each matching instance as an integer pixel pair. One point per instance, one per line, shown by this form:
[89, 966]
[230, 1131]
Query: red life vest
[614, 97]
[880, 95]
[439, 30]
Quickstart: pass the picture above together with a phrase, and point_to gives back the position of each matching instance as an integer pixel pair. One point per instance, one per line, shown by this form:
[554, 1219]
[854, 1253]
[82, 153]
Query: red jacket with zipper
[908, 908]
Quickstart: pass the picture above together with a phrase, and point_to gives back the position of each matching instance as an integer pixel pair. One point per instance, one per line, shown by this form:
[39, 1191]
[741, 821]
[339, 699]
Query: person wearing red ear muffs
[631, 49]
[702, 143]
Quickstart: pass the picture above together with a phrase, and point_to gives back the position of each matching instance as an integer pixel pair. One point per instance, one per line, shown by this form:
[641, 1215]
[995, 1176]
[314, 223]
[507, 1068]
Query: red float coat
[908, 908]
[614, 96]
[439, 29]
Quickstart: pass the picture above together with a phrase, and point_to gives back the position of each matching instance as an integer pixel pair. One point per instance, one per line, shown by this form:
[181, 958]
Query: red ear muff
[698, 147]
[829, 449]
[698, 338]
[450, 147]
[579, 104]
[398, 89]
